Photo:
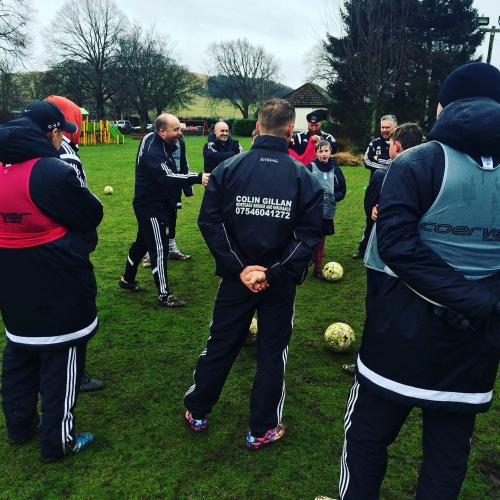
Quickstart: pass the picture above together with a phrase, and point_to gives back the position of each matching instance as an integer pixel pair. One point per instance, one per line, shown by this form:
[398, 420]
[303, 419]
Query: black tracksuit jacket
[215, 151]
[48, 291]
[262, 208]
[157, 183]
[403, 341]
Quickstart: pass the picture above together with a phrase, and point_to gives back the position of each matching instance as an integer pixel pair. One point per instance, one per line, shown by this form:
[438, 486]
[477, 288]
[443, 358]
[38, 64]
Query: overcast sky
[288, 31]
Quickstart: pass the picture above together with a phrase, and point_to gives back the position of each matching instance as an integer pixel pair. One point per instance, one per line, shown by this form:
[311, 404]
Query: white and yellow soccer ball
[252, 333]
[108, 190]
[333, 271]
[339, 337]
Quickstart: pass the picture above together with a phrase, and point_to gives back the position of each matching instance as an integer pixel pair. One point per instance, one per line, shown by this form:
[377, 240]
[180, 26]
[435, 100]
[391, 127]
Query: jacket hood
[470, 125]
[22, 140]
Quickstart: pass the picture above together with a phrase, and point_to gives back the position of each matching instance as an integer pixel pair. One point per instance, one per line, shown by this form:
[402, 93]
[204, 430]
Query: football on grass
[339, 337]
[333, 271]
[252, 333]
[108, 190]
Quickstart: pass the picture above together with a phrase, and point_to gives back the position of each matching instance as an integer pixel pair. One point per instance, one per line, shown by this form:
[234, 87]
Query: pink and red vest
[22, 223]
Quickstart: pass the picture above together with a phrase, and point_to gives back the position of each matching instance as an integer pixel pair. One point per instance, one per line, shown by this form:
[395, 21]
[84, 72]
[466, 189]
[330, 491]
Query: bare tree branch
[241, 73]
[15, 19]
[89, 35]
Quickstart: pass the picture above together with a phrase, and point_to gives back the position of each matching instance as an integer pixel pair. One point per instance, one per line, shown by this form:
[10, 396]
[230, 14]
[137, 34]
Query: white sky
[287, 29]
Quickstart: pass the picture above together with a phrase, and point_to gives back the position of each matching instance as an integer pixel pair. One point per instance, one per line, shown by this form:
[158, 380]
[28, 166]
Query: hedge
[244, 127]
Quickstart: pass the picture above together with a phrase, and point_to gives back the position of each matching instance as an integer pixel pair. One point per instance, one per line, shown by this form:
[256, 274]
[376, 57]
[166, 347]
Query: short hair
[408, 135]
[391, 118]
[161, 122]
[322, 143]
[275, 115]
[255, 133]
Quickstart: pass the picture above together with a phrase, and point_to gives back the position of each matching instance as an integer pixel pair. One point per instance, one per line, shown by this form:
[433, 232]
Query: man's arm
[160, 167]
[410, 189]
[237, 148]
[372, 193]
[306, 236]
[370, 159]
[214, 157]
[57, 191]
[341, 189]
[228, 259]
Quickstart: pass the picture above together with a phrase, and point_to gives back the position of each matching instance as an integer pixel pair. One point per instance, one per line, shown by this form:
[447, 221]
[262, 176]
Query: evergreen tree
[406, 60]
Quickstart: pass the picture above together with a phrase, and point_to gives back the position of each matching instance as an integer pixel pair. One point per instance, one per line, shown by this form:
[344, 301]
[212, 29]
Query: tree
[89, 37]
[154, 79]
[241, 73]
[370, 58]
[445, 36]
[15, 18]
[438, 36]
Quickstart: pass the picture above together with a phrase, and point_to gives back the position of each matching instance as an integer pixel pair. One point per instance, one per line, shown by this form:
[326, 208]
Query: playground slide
[114, 132]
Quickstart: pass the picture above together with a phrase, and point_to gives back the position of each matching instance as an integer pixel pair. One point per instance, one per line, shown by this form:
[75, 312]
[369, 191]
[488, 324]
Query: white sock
[172, 246]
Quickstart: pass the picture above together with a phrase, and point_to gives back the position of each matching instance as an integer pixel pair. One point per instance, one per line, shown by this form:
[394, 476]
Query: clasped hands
[254, 278]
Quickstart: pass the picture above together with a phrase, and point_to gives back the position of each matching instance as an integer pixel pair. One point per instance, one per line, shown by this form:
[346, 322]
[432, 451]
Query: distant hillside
[200, 107]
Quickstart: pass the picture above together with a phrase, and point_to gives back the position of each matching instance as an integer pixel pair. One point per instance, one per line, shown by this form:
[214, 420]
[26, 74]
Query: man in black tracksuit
[438, 235]
[261, 218]
[314, 133]
[47, 298]
[219, 147]
[376, 156]
[157, 184]
[182, 168]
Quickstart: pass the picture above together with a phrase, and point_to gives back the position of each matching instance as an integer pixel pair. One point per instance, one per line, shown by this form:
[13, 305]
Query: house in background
[309, 97]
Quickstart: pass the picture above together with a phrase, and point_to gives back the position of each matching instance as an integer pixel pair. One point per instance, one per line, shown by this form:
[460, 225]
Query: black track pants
[234, 308]
[56, 376]
[372, 423]
[152, 237]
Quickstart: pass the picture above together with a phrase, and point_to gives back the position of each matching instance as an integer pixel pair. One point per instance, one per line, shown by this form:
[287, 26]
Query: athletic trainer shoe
[318, 273]
[133, 286]
[269, 437]
[171, 301]
[321, 497]
[90, 384]
[196, 425]
[82, 442]
[178, 255]
[349, 370]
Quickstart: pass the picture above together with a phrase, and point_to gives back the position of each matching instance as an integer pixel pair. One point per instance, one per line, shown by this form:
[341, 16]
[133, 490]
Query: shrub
[347, 159]
[244, 127]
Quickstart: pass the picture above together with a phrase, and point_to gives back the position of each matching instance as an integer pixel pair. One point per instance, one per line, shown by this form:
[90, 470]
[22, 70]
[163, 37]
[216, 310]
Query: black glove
[454, 318]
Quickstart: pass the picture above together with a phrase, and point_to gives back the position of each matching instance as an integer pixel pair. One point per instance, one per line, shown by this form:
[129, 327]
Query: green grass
[146, 355]
[201, 107]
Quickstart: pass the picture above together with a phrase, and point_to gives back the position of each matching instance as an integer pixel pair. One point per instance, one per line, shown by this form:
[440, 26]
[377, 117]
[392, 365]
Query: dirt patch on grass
[491, 470]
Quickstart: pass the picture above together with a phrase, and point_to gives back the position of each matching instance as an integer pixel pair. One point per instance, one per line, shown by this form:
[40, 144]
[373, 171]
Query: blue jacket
[262, 208]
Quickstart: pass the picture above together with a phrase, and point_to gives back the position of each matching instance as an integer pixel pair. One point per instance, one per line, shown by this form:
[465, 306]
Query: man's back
[264, 195]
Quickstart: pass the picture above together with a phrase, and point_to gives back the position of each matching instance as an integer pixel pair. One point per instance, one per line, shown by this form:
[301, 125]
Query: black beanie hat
[471, 80]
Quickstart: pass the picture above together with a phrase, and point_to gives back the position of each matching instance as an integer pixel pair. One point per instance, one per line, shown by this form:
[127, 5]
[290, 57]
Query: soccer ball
[339, 337]
[333, 271]
[108, 190]
[252, 333]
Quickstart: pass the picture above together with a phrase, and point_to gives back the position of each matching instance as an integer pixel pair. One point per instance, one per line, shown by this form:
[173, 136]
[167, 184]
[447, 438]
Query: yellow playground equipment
[104, 132]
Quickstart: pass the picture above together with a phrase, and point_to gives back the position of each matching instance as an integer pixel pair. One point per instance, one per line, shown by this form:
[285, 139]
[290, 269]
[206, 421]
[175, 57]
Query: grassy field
[201, 107]
[146, 355]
